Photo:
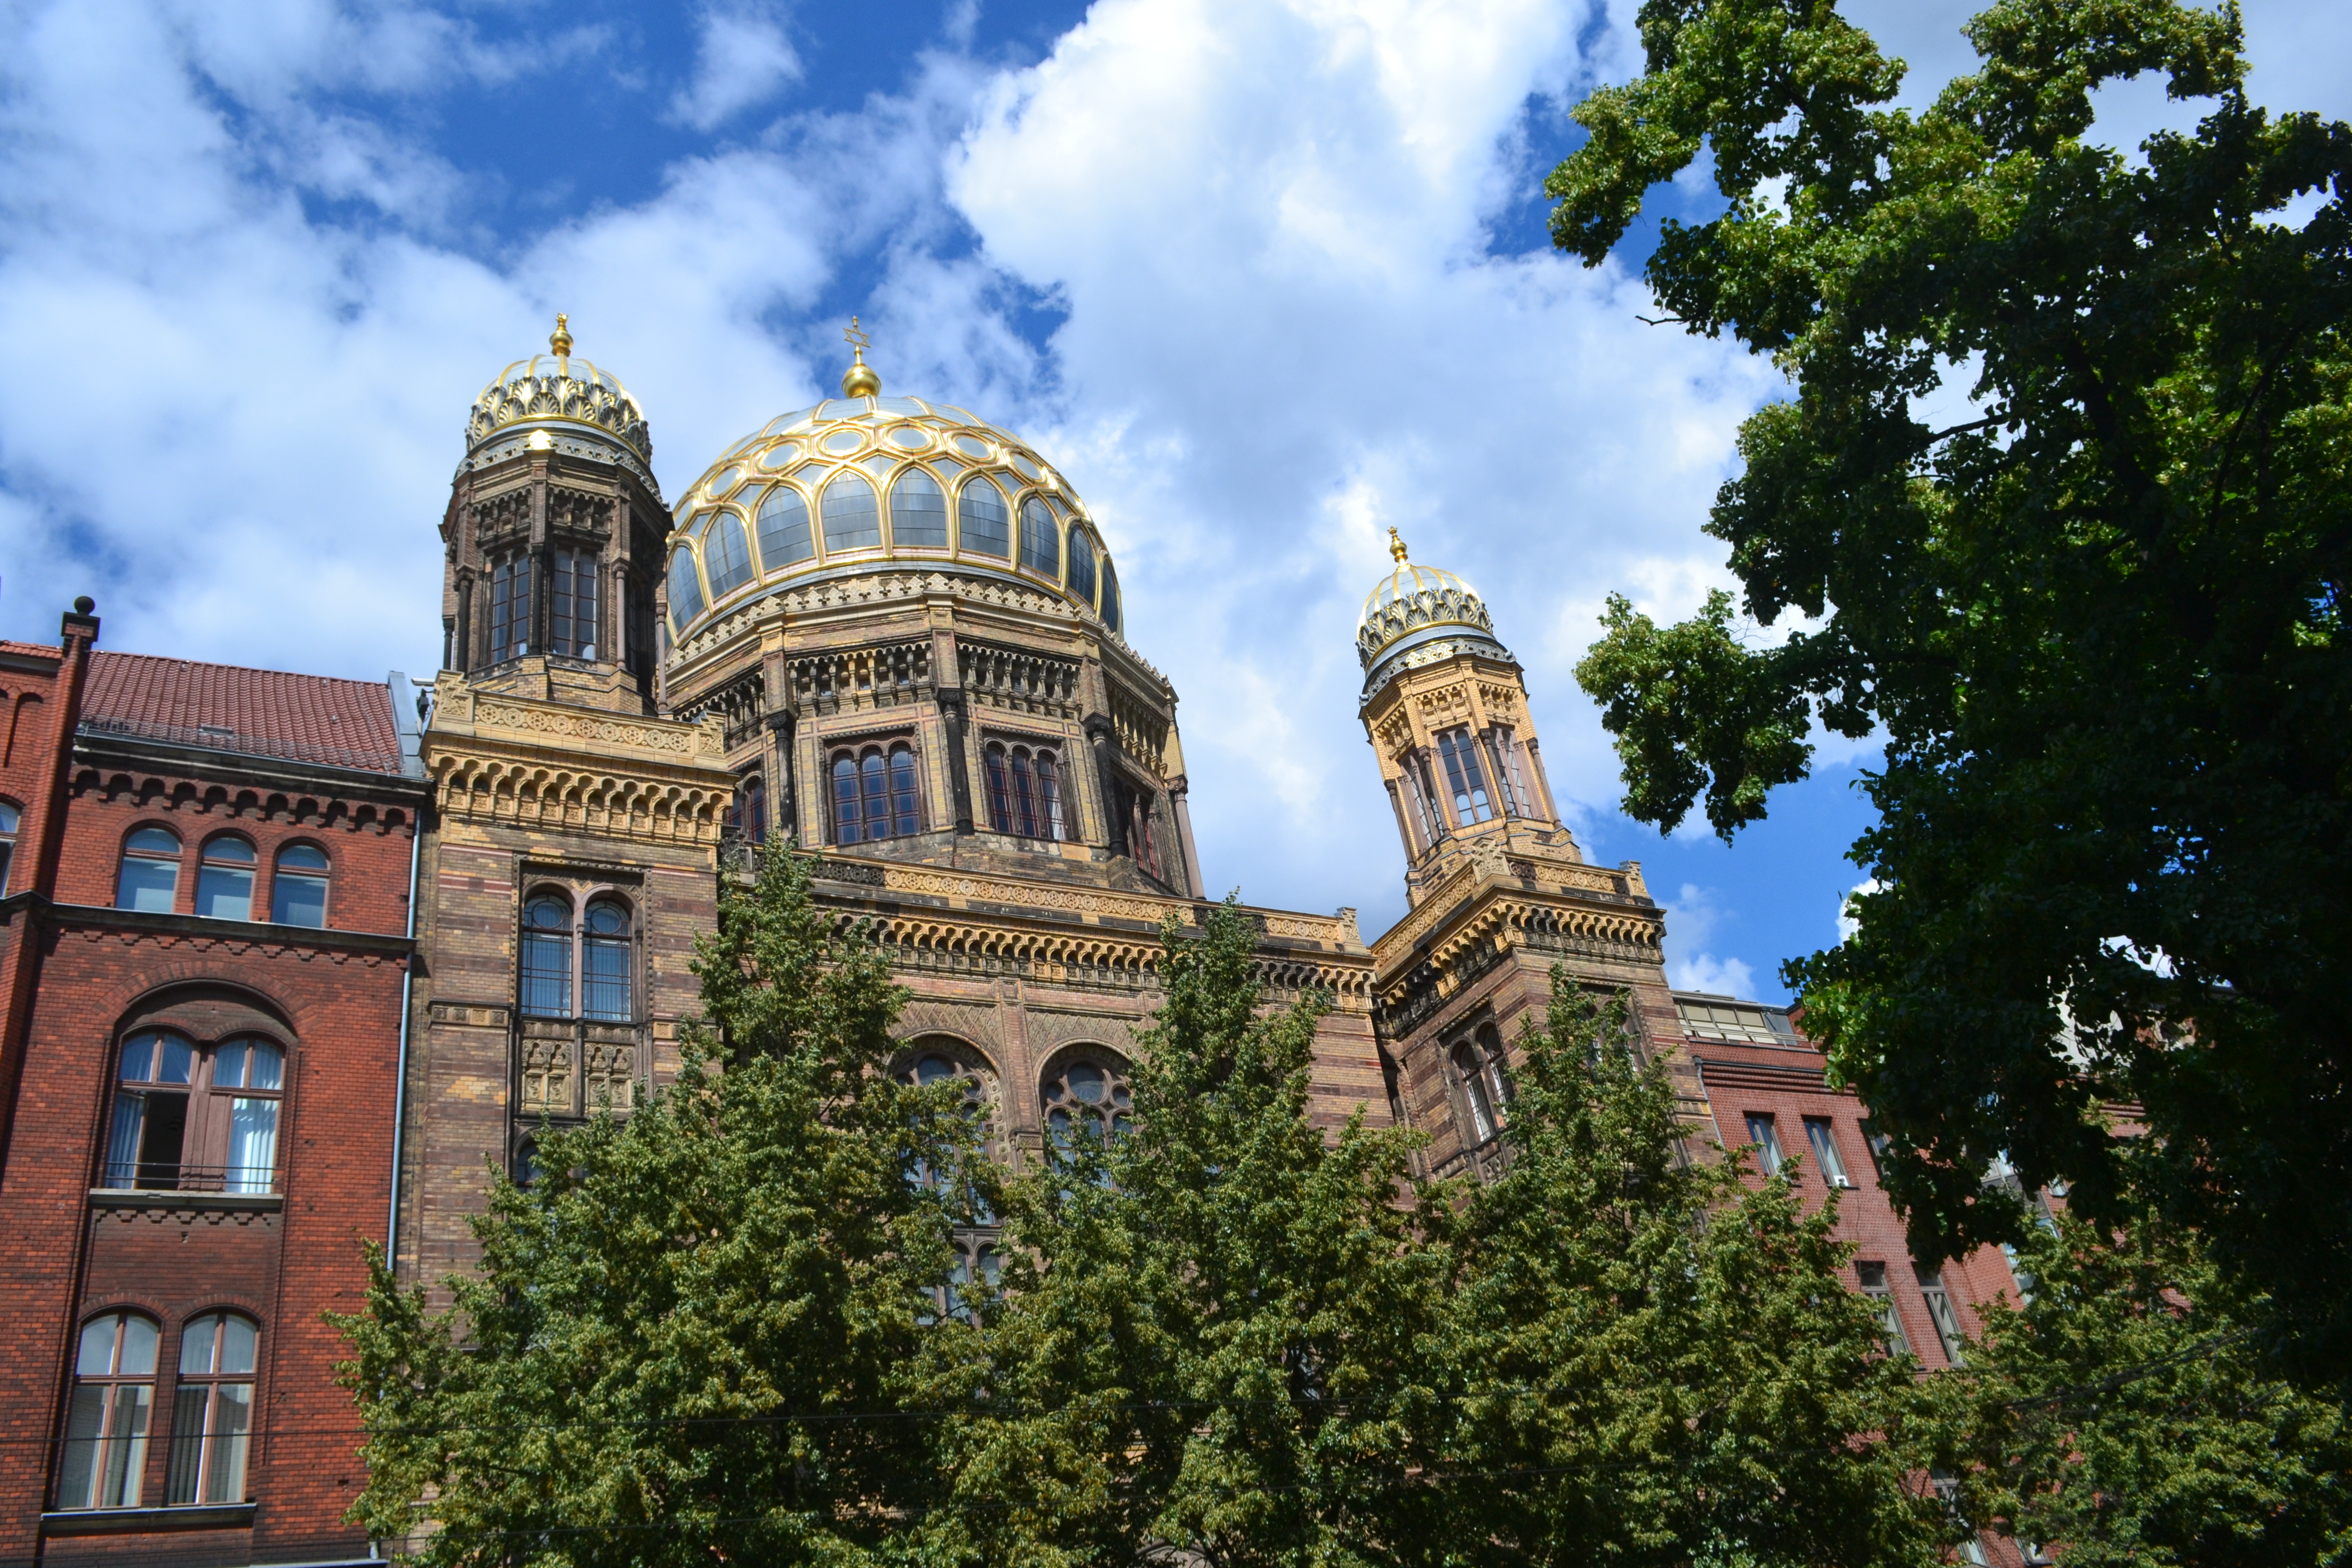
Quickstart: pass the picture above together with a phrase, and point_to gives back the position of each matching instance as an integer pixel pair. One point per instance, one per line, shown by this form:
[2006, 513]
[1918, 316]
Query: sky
[1262, 277]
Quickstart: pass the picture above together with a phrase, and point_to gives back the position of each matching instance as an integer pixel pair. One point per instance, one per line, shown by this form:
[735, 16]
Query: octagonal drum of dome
[859, 483]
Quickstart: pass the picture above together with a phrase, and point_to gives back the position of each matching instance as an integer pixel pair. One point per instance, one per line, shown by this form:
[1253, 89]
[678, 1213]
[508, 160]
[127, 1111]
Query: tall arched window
[212, 1411]
[149, 877]
[224, 878]
[7, 842]
[874, 795]
[297, 887]
[785, 528]
[1460, 754]
[747, 814]
[1486, 1092]
[918, 512]
[983, 523]
[1024, 791]
[150, 1129]
[572, 603]
[1142, 841]
[1087, 1097]
[1082, 566]
[937, 1066]
[852, 518]
[685, 590]
[546, 957]
[106, 1427]
[1041, 540]
[607, 967]
[727, 556]
[1110, 606]
[510, 608]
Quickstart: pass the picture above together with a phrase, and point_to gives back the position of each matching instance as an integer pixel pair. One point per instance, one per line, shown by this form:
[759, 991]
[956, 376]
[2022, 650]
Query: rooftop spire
[560, 340]
[859, 380]
[1396, 546]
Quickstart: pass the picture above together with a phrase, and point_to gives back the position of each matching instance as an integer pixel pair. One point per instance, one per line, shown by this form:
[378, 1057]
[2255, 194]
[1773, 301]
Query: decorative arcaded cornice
[1458, 897]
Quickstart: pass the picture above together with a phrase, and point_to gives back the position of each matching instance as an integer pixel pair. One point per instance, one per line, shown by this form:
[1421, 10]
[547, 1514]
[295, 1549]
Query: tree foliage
[687, 1342]
[2127, 1413]
[2099, 622]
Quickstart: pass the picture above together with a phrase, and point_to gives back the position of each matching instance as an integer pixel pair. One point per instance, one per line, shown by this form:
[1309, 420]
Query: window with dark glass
[1024, 791]
[874, 794]
[852, 518]
[1142, 839]
[106, 1426]
[725, 555]
[918, 512]
[212, 1410]
[1040, 539]
[784, 537]
[574, 595]
[685, 590]
[1432, 815]
[149, 877]
[224, 878]
[606, 965]
[195, 1120]
[1878, 1143]
[747, 814]
[1460, 756]
[1086, 1096]
[510, 608]
[983, 523]
[1767, 1139]
[297, 887]
[546, 957]
[1082, 566]
[1818, 1133]
[7, 842]
[1872, 1277]
[1111, 610]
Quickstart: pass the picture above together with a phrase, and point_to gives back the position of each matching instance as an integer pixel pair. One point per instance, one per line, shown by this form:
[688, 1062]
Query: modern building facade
[293, 963]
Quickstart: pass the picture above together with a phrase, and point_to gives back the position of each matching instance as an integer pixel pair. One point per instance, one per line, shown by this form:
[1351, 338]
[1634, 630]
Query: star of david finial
[858, 342]
[859, 380]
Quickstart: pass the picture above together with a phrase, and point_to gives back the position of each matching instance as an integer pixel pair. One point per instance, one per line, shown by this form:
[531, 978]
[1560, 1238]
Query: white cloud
[1847, 925]
[1692, 918]
[742, 59]
[1720, 976]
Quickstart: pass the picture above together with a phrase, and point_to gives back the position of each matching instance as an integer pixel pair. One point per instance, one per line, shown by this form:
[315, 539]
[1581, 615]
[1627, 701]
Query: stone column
[951, 713]
[1099, 736]
[1183, 813]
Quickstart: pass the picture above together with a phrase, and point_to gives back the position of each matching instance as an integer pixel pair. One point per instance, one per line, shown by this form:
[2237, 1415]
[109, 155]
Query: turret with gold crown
[553, 538]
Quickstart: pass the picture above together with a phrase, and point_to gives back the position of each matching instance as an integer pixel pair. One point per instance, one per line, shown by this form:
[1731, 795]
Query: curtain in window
[252, 1145]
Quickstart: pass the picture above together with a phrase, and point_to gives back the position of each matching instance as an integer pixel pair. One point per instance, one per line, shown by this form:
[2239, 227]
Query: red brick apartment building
[205, 947]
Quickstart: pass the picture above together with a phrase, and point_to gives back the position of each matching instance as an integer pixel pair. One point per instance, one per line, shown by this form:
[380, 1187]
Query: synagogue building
[294, 963]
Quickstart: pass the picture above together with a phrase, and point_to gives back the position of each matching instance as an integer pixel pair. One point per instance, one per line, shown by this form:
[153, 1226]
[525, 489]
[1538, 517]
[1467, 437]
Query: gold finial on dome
[560, 340]
[1396, 547]
[859, 380]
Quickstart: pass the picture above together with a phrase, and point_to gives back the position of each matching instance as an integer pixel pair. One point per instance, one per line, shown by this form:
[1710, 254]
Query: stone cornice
[1481, 905]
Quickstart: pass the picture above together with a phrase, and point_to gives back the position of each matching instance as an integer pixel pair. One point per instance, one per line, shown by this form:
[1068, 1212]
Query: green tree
[1212, 1333]
[2127, 1413]
[686, 1342]
[2099, 622]
[1656, 1361]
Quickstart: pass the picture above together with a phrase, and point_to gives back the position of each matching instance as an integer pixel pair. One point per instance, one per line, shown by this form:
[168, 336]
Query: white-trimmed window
[212, 1410]
[106, 1426]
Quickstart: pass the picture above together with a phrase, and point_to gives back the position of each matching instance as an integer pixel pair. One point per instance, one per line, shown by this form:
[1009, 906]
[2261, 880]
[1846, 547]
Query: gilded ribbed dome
[862, 482]
[558, 389]
[1414, 606]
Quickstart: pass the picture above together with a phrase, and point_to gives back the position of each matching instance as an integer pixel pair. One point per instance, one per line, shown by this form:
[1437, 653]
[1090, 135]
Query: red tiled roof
[254, 713]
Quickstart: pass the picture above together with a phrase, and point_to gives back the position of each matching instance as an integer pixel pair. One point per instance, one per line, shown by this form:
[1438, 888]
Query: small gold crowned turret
[859, 380]
[560, 341]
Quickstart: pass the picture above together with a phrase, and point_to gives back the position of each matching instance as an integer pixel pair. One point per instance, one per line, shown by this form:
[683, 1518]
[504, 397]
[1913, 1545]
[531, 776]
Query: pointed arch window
[1040, 539]
[1082, 566]
[1110, 605]
[918, 512]
[852, 518]
[1024, 791]
[105, 1455]
[572, 603]
[685, 590]
[150, 876]
[224, 878]
[607, 963]
[1484, 1088]
[1087, 1097]
[546, 957]
[875, 793]
[785, 528]
[983, 523]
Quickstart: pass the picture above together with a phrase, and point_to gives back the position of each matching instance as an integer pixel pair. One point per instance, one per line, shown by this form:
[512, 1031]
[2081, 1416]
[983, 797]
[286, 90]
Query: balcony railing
[183, 1178]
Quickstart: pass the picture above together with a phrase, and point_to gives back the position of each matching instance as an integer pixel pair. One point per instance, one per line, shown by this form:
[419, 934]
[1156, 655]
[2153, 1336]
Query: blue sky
[1263, 277]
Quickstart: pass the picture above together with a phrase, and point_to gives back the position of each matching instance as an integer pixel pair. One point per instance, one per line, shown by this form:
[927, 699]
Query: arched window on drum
[1024, 791]
[1087, 1096]
[685, 590]
[852, 518]
[983, 523]
[1082, 566]
[784, 530]
[918, 512]
[1040, 539]
[727, 556]
[875, 794]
